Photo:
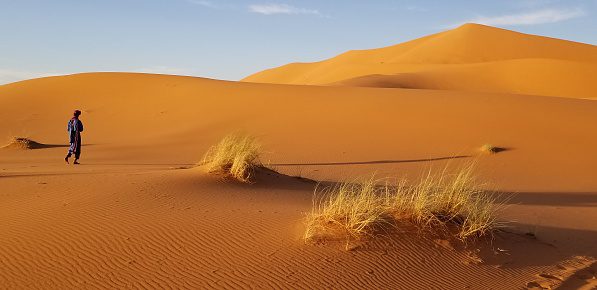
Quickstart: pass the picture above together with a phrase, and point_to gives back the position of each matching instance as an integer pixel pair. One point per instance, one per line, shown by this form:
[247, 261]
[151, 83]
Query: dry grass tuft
[490, 149]
[351, 209]
[444, 198]
[437, 201]
[235, 155]
[23, 143]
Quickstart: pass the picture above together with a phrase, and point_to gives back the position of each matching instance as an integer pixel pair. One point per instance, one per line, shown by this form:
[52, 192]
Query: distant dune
[470, 58]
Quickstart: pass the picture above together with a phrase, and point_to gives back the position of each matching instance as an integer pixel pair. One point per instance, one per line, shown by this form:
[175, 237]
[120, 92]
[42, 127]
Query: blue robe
[75, 127]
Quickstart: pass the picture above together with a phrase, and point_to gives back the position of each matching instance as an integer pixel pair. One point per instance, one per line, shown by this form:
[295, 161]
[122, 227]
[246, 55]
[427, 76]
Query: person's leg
[78, 151]
[70, 151]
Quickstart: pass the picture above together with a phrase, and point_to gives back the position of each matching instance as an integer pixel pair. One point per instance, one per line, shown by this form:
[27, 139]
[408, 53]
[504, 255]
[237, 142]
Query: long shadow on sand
[508, 248]
[61, 146]
[181, 165]
[541, 248]
[43, 146]
[37, 146]
[575, 281]
[565, 251]
[18, 175]
[371, 162]
[553, 198]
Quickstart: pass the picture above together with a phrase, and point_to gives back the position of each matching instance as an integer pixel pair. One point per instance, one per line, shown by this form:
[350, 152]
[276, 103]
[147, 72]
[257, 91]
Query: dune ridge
[472, 57]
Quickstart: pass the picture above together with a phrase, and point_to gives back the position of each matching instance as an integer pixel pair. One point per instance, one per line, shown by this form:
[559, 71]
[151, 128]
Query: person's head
[77, 113]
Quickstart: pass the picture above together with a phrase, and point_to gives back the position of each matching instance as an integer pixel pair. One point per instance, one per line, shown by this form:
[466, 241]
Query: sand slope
[129, 217]
[163, 228]
[472, 57]
[154, 118]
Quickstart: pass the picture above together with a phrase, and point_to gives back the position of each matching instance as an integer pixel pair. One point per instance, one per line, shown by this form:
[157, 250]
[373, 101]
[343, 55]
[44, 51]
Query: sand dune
[156, 118]
[132, 216]
[470, 58]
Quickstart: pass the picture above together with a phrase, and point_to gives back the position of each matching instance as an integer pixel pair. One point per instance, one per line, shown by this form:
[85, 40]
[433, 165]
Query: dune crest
[471, 57]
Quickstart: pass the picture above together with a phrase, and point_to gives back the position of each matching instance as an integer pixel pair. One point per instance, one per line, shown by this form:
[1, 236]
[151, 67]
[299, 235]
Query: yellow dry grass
[443, 198]
[349, 209]
[236, 155]
[23, 143]
[490, 149]
[354, 210]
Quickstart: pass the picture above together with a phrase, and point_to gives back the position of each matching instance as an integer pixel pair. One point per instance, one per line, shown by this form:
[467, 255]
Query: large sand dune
[130, 217]
[472, 58]
[155, 118]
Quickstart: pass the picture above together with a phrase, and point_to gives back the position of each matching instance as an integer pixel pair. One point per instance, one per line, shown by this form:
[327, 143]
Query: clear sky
[228, 39]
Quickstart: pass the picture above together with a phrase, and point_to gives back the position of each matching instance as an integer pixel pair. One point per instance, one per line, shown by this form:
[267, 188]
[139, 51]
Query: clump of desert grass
[23, 143]
[443, 201]
[236, 155]
[448, 199]
[350, 210]
[490, 149]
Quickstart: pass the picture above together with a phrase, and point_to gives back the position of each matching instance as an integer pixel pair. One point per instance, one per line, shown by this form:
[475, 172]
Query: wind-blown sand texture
[137, 214]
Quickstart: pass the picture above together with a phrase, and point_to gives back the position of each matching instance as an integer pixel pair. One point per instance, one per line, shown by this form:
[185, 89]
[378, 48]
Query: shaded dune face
[471, 58]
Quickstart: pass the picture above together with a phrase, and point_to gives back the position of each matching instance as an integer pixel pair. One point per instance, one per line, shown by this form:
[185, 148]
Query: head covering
[77, 113]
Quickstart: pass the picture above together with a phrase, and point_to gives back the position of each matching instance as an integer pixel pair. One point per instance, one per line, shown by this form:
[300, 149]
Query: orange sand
[472, 58]
[132, 216]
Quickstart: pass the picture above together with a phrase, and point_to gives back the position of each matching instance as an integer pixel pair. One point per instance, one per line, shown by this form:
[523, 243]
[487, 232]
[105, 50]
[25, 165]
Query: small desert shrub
[490, 149]
[236, 155]
[479, 216]
[447, 198]
[438, 200]
[23, 143]
[350, 209]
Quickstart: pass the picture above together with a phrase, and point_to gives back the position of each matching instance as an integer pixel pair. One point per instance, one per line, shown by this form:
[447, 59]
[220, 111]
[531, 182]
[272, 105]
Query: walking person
[75, 127]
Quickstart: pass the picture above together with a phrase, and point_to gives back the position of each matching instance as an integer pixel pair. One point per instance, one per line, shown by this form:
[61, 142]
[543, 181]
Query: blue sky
[228, 39]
